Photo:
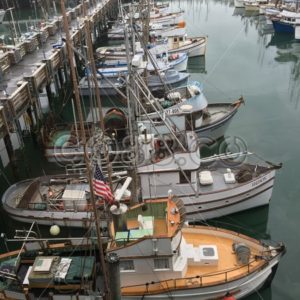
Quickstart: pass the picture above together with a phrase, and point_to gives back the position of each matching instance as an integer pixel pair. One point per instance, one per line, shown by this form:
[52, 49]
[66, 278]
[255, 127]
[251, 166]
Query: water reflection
[197, 65]
[253, 222]
[288, 51]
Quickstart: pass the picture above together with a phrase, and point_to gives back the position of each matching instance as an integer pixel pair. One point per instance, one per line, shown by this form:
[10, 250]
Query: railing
[192, 282]
[60, 205]
[19, 99]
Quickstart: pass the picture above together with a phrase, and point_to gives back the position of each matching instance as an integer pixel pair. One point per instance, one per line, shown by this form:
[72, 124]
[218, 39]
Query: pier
[37, 67]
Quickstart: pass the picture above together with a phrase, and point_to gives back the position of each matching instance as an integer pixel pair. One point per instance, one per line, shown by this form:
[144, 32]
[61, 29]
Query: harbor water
[243, 58]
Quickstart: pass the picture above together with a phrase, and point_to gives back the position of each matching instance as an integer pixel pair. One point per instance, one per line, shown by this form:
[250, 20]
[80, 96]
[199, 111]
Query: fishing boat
[41, 268]
[188, 107]
[111, 86]
[156, 30]
[193, 46]
[286, 22]
[165, 18]
[62, 142]
[176, 61]
[173, 44]
[190, 262]
[161, 256]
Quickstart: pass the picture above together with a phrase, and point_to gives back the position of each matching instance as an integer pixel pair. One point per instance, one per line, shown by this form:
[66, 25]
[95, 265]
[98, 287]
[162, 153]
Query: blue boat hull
[282, 27]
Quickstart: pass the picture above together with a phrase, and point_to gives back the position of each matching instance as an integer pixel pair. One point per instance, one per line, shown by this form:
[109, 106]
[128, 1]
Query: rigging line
[165, 143]
[154, 63]
[224, 54]
[159, 110]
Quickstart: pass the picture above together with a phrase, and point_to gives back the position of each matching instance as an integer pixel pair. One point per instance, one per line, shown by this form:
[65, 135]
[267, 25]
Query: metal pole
[91, 63]
[83, 136]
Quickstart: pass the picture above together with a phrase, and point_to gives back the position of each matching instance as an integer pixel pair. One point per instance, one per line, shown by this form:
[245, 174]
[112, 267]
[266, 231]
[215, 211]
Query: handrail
[195, 281]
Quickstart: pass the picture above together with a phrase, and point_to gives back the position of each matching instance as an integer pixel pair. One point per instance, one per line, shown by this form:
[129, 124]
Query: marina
[247, 61]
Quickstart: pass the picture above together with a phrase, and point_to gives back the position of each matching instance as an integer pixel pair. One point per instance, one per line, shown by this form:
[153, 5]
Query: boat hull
[253, 194]
[282, 27]
[182, 65]
[192, 50]
[214, 131]
[42, 217]
[239, 288]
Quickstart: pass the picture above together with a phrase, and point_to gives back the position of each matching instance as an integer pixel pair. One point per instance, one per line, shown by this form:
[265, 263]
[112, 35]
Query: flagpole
[83, 137]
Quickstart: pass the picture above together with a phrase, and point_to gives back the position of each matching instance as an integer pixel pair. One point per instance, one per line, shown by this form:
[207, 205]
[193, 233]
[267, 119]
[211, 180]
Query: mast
[145, 14]
[132, 121]
[91, 64]
[86, 158]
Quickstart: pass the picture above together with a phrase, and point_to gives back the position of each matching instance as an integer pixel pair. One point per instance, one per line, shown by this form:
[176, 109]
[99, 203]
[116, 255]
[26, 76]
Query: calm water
[264, 68]
[243, 59]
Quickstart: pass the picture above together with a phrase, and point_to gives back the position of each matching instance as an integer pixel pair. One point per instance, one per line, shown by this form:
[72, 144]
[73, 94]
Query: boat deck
[224, 269]
[217, 112]
[227, 259]
[166, 226]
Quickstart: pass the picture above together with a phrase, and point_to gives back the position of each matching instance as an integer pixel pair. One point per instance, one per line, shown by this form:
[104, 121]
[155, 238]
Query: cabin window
[161, 263]
[181, 39]
[126, 265]
[175, 39]
[185, 177]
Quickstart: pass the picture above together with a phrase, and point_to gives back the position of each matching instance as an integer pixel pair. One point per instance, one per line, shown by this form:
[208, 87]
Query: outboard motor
[242, 252]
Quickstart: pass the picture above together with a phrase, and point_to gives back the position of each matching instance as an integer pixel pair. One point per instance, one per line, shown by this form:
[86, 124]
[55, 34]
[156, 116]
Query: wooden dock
[39, 62]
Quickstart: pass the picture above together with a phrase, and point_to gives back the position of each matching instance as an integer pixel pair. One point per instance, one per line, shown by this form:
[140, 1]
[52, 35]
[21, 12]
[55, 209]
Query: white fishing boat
[156, 30]
[188, 108]
[194, 46]
[176, 61]
[177, 44]
[62, 142]
[46, 266]
[111, 86]
[209, 188]
[161, 256]
[165, 18]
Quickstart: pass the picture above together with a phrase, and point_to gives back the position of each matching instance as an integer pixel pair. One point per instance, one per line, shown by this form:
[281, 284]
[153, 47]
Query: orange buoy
[181, 24]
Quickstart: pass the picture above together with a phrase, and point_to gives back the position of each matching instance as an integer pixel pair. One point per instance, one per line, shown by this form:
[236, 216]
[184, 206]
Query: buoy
[181, 24]
[54, 230]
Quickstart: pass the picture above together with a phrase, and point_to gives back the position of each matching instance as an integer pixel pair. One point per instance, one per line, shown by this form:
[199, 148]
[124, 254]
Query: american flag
[101, 188]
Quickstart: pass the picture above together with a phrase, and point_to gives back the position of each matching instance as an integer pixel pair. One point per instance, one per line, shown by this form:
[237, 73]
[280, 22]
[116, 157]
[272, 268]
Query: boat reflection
[197, 65]
[252, 222]
[288, 51]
